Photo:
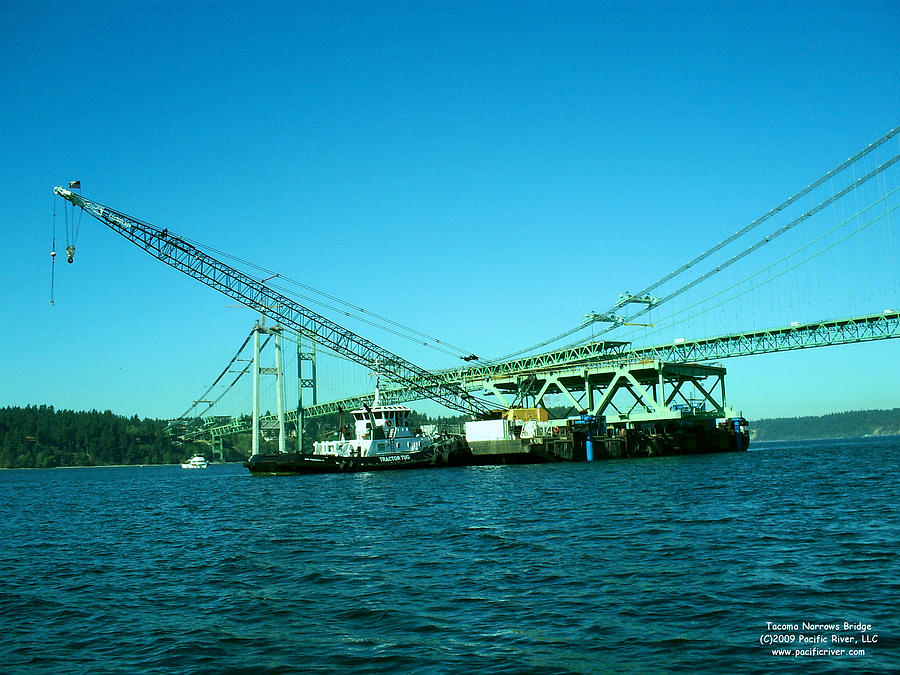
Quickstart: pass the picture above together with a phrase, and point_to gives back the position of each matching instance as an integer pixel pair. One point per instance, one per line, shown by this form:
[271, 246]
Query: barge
[530, 436]
[385, 440]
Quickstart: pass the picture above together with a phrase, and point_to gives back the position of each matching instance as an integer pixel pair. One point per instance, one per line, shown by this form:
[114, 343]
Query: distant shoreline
[851, 424]
[100, 466]
[768, 441]
[822, 438]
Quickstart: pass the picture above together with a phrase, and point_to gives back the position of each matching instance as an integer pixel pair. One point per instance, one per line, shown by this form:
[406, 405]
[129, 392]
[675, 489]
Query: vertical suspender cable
[762, 242]
[805, 191]
[769, 214]
[53, 256]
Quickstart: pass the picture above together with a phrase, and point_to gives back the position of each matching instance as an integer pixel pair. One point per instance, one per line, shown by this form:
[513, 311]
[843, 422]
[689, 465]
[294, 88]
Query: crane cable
[399, 329]
[53, 255]
[72, 232]
[71, 238]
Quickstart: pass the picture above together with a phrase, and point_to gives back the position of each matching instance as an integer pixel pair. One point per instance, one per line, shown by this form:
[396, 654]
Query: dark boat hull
[452, 453]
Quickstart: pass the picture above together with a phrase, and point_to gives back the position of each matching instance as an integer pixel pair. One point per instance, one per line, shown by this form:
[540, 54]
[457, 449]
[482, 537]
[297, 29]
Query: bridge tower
[305, 383]
[278, 371]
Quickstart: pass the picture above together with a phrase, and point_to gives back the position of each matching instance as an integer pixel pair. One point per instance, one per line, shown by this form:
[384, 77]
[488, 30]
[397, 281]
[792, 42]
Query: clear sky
[484, 172]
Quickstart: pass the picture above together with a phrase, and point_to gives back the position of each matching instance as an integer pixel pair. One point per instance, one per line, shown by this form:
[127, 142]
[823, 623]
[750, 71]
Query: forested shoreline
[853, 424]
[43, 437]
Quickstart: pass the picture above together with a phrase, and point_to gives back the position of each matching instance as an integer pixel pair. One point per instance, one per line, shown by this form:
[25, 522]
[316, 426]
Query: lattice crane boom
[187, 258]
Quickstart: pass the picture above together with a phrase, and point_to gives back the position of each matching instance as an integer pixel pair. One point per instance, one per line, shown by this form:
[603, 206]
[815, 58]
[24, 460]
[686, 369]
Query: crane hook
[70, 253]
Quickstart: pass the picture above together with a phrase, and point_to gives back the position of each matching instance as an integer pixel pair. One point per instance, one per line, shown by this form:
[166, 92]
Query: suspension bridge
[756, 291]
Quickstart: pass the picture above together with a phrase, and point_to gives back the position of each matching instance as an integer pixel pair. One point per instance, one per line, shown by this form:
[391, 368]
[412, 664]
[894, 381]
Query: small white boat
[195, 462]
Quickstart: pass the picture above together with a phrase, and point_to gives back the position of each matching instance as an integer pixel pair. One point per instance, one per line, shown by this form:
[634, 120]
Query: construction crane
[253, 293]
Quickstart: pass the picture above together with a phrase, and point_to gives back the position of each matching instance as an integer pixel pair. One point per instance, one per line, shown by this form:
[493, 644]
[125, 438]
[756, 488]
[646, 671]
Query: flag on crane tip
[74, 184]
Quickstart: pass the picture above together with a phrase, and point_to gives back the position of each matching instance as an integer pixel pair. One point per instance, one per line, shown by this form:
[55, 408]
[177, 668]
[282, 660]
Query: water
[620, 566]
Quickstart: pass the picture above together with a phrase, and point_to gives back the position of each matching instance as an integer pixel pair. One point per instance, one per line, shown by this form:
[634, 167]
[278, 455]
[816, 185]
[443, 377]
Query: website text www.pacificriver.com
[814, 639]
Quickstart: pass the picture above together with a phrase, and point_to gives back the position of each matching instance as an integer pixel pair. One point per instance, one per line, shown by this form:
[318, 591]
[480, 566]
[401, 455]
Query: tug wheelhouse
[381, 430]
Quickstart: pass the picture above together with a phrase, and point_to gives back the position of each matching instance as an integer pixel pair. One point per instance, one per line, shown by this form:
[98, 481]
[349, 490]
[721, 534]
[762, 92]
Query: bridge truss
[613, 379]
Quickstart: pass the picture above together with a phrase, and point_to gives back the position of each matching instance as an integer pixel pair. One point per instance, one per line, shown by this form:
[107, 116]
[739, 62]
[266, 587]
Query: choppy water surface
[619, 566]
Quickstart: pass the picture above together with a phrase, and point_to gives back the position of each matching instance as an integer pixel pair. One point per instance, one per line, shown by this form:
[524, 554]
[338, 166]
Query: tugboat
[383, 440]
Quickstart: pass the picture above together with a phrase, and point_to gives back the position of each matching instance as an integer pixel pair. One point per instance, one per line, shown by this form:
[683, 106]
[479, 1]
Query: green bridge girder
[796, 336]
[603, 354]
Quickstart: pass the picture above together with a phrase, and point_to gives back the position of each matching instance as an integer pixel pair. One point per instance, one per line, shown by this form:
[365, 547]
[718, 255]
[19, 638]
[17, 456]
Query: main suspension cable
[767, 240]
[759, 221]
[728, 240]
[670, 319]
[203, 396]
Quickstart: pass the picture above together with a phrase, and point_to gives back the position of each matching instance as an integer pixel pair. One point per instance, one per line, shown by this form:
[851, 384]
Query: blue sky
[483, 172]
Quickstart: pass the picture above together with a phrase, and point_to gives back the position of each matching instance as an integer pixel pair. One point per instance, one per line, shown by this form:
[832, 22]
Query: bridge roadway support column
[279, 378]
[722, 389]
[255, 430]
[218, 448]
[588, 393]
[299, 394]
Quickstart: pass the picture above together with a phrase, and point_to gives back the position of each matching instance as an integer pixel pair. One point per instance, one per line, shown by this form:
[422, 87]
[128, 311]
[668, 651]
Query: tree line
[854, 424]
[42, 437]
